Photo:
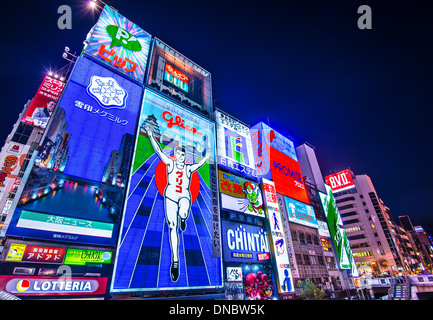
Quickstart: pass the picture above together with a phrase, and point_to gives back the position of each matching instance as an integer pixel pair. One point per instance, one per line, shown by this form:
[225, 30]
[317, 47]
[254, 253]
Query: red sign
[287, 176]
[44, 102]
[340, 181]
[176, 73]
[43, 254]
[263, 256]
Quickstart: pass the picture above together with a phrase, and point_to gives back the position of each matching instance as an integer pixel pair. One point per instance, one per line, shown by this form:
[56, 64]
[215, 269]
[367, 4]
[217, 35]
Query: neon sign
[176, 77]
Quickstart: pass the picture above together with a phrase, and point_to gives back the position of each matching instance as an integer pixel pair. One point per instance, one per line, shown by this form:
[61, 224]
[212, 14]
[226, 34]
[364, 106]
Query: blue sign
[244, 243]
[300, 212]
[76, 189]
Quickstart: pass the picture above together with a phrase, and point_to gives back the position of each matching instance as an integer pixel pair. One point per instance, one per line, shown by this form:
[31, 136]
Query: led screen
[44, 102]
[235, 150]
[338, 234]
[178, 77]
[119, 44]
[76, 187]
[167, 233]
[340, 181]
[240, 194]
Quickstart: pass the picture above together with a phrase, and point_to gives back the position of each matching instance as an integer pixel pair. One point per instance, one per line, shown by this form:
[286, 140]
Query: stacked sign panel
[166, 240]
[338, 234]
[276, 160]
[119, 44]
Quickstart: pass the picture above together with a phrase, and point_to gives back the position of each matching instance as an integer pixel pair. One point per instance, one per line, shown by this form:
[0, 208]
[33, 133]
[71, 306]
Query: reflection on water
[72, 200]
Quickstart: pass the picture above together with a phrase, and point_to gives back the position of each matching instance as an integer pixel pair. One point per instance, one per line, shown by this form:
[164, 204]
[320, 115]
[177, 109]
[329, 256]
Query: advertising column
[338, 234]
[280, 250]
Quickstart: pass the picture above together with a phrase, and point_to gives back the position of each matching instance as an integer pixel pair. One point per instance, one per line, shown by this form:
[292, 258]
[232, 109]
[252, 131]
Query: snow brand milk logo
[108, 93]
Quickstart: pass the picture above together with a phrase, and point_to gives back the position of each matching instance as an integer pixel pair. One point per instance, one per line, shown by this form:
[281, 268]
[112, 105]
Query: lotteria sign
[27, 286]
[340, 181]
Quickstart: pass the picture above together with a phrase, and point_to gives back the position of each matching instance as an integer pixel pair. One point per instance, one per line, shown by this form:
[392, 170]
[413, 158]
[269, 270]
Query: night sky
[362, 98]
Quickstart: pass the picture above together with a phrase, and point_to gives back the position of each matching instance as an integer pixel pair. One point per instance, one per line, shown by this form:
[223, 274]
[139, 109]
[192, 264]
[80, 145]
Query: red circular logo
[161, 181]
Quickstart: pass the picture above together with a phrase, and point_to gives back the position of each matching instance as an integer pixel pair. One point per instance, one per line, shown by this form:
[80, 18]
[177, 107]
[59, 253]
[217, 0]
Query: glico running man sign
[167, 231]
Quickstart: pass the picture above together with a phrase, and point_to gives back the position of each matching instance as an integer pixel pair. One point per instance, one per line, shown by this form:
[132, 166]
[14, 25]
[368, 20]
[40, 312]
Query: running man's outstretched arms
[198, 165]
[165, 158]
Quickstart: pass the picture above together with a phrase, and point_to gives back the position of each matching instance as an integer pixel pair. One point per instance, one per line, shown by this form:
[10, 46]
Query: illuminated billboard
[280, 250]
[119, 44]
[76, 187]
[244, 243]
[179, 78]
[44, 102]
[12, 158]
[42, 286]
[301, 213]
[235, 150]
[240, 194]
[167, 232]
[338, 234]
[276, 160]
[340, 181]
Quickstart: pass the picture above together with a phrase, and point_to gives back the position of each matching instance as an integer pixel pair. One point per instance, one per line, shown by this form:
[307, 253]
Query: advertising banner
[173, 74]
[76, 187]
[244, 243]
[288, 236]
[300, 212]
[167, 233]
[276, 160]
[235, 151]
[240, 194]
[32, 253]
[258, 282]
[287, 176]
[120, 44]
[340, 181]
[284, 273]
[339, 237]
[43, 286]
[84, 256]
[44, 102]
[12, 158]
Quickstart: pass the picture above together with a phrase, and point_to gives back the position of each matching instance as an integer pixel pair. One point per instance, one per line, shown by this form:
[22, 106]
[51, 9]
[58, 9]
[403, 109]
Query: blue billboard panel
[300, 212]
[167, 232]
[76, 188]
[244, 243]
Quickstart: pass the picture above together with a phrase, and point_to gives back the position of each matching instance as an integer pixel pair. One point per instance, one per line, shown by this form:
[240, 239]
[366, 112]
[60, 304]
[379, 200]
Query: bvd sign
[340, 181]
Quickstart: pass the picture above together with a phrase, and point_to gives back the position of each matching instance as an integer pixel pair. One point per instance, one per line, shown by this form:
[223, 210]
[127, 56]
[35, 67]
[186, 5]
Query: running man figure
[177, 196]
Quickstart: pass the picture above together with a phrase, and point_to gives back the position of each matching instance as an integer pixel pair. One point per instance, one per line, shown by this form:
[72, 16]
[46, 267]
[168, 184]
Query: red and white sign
[340, 181]
[287, 176]
[34, 286]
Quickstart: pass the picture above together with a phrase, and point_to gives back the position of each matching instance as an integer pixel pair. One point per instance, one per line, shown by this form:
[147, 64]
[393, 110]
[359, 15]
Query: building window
[22, 134]
[347, 206]
[301, 236]
[294, 236]
[313, 260]
[307, 259]
[298, 258]
[309, 239]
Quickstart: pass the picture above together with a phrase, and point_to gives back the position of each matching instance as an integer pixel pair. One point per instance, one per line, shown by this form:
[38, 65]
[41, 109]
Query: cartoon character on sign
[254, 196]
[177, 195]
[258, 286]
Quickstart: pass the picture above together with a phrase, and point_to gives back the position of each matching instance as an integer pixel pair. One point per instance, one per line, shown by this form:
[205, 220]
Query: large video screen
[119, 44]
[235, 150]
[76, 187]
[181, 79]
[167, 233]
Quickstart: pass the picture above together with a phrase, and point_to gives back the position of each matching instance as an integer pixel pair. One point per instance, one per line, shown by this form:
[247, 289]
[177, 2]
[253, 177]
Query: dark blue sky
[363, 98]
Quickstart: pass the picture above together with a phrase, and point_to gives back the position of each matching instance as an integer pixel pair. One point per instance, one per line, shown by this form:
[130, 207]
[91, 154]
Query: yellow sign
[16, 252]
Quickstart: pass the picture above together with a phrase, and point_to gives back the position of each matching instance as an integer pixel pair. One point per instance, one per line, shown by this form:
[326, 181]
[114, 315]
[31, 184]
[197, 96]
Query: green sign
[82, 256]
[339, 237]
